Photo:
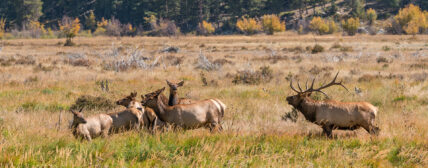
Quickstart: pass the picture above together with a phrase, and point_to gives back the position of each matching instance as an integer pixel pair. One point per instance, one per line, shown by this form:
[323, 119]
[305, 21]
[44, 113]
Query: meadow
[40, 80]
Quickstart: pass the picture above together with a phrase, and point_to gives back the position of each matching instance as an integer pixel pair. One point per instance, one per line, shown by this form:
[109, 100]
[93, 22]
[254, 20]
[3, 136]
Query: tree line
[187, 15]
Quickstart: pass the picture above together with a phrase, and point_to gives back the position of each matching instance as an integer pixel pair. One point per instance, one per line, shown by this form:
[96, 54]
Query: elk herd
[156, 111]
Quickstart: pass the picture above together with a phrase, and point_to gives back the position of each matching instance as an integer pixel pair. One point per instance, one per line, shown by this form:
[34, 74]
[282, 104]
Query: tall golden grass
[35, 97]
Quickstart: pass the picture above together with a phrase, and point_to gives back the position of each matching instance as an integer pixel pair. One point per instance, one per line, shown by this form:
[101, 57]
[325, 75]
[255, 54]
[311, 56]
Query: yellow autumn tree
[37, 29]
[351, 25]
[319, 25]
[248, 26]
[272, 24]
[2, 27]
[371, 15]
[206, 28]
[101, 27]
[412, 19]
[70, 29]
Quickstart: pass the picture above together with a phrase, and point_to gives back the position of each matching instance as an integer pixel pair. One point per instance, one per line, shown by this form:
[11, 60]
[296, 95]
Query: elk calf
[90, 127]
[332, 114]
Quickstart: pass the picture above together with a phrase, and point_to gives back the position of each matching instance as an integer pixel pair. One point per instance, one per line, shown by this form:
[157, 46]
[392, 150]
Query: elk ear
[134, 94]
[77, 114]
[159, 91]
[180, 83]
[169, 83]
[308, 94]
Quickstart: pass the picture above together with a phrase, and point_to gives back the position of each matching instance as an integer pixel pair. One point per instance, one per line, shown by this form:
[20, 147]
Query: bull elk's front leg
[327, 130]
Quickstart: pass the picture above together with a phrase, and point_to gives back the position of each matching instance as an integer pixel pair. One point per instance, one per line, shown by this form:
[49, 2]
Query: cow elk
[330, 114]
[173, 97]
[129, 118]
[206, 113]
[90, 127]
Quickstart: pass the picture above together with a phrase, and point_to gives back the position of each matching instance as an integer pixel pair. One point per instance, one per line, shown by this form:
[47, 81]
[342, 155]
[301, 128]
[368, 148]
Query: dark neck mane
[307, 108]
[173, 98]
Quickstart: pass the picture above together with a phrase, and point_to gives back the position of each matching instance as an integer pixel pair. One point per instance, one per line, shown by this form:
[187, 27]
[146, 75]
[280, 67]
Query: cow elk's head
[174, 86]
[127, 100]
[295, 100]
[78, 117]
[151, 96]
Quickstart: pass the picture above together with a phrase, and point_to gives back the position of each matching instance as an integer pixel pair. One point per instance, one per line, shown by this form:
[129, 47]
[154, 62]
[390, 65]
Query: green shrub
[317, 49]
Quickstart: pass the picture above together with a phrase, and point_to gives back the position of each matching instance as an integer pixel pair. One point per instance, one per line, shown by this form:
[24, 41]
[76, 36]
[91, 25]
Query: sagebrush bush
[412, 19]
[272, 24]
[90, 22]
[371, 15]
[248, 26]
[92, 103]
[263, 75]
[114, 27]
[164, 28]
[351, 25]
[317, 49]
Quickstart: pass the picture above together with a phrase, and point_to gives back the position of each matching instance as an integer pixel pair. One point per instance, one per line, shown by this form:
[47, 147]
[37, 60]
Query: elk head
[174, 86]
[78, 117]
[127, 100]
[151, 96]
[301, 95]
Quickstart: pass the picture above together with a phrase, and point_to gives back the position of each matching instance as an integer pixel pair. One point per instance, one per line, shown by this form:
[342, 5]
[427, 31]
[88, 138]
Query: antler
[292, 87]
[332, 83]
[311, 88]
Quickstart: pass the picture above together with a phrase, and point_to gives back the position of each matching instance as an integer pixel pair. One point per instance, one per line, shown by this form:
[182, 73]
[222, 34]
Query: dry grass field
[41, 79]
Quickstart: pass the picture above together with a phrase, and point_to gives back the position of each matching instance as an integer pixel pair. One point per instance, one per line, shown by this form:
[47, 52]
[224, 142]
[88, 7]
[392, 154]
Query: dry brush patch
[35, 100]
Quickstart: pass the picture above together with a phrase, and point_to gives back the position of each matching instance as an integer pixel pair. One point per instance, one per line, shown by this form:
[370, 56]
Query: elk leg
[327, 130]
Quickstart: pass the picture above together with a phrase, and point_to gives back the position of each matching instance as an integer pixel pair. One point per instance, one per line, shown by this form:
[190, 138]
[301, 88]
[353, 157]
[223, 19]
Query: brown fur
[90, 127]
[332, 114]
[130, 118]
[206, 113]
[173, 97]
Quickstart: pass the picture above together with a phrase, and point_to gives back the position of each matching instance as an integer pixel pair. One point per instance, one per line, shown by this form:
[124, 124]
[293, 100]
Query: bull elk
[90, 127]
[206, 113]
[330, 114]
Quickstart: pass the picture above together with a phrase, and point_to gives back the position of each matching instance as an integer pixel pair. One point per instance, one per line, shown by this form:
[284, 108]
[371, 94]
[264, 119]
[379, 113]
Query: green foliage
[357, 8]
[371, 15]
[90, 22]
